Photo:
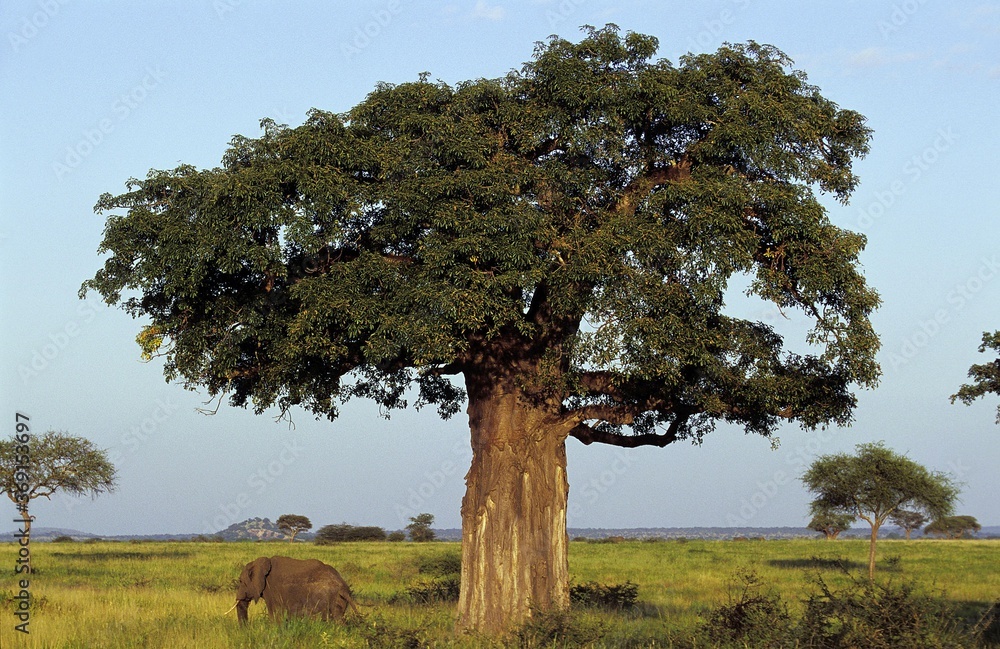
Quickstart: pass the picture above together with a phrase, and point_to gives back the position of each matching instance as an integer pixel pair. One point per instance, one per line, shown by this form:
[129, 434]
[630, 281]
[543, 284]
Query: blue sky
[94, 93]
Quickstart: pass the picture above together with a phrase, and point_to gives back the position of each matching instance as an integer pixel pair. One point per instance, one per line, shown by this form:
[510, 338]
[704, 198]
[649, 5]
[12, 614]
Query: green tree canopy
[420, 528]
[830, 524]
[562, 237]
[343, 532]
[875, 483]
[292, 524]
[908, 520]
[985, 377]
[953, 527]
[56, 461]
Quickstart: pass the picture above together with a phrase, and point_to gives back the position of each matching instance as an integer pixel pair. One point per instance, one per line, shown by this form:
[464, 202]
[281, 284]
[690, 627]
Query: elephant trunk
[241, 610]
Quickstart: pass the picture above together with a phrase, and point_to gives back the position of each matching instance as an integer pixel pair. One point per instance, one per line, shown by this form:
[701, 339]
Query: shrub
[614, 596]
[380, 633]
[556, 629]
[440, 565]
[753, 616]
[63, 539]
[862, 615]
[344, 532]
[7, 600]
[987, 629]
[443, 589]
[396, 536]
[446, 572]
[875, 616]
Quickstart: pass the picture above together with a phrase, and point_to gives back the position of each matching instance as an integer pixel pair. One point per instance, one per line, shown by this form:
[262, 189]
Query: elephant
[293, 587]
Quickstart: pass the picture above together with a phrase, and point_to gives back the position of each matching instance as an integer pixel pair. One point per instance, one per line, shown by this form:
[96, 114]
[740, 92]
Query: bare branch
[588, 435]
[448, 369]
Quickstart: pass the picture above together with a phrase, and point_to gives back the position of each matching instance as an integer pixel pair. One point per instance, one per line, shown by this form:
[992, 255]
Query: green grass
[174, 594]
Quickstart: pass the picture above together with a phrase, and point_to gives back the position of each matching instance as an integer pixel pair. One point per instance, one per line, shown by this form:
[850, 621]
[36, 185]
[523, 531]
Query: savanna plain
[175, 594]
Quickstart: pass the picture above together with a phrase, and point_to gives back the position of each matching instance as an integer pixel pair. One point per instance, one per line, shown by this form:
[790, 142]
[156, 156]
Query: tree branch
[448, 369]
[642, 185]
[544, 148]
[588, 435]
[600, 382]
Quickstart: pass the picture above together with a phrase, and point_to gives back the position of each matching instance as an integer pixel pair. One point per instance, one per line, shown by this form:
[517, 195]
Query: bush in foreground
[862, 615]
[612, 596]
[557, 629]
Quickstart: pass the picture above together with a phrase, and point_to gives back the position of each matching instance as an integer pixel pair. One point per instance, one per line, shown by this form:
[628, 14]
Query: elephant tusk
[231, 610]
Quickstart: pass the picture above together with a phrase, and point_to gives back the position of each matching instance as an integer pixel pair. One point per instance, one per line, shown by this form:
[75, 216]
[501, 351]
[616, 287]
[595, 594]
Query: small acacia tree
[292, 524]
[563, 238]
[830, 523]
[420, 528]
[953, 527]
[56, 461]
[908, 521]
[875, 483]
[985, 377]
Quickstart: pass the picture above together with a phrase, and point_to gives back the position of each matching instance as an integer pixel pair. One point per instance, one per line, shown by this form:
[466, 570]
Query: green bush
[446, 572]
[613, 596]
[396, 536]
[440, 565]
[862, 615]
[443, 589]
[987, 629]
[753, 616]
[875, 616]
[342, 533]
[380, 633]
[64, 539]
[557, 629]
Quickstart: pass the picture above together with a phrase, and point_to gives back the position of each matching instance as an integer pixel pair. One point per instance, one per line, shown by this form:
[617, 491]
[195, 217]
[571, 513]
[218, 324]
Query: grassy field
[92, 595]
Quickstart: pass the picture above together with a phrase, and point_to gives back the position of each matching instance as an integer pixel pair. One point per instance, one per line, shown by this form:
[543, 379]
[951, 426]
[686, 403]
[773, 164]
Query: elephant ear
[256, 577]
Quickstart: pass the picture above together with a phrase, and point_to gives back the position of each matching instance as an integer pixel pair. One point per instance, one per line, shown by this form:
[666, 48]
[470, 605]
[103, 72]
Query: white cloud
[875, 57]
[986, 10]
[483, 10]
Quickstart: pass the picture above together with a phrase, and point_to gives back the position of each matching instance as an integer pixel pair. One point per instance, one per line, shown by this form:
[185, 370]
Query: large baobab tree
[552, 247]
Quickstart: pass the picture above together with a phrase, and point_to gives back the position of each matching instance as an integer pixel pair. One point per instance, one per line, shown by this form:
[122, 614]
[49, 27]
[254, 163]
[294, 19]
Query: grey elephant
[293, 587]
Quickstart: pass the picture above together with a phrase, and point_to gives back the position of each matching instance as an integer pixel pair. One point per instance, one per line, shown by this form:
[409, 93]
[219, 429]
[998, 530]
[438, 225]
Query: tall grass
[174, 594]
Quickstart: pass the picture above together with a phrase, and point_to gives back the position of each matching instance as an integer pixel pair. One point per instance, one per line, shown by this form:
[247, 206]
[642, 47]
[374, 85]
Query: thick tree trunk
[514, 541]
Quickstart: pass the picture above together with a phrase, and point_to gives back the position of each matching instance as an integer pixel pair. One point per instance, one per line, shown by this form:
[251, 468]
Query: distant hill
[48, 533]
[263, 529]
[253, 529]
[719, 533]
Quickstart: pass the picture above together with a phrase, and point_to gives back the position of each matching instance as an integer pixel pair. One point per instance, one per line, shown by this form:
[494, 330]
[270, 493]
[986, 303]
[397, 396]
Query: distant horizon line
[37, 530]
